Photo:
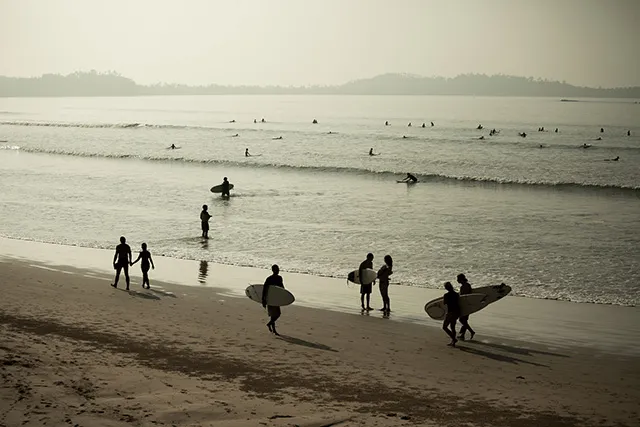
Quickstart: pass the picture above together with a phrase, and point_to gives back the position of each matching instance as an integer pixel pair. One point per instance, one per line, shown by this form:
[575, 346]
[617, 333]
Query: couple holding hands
[122, 261]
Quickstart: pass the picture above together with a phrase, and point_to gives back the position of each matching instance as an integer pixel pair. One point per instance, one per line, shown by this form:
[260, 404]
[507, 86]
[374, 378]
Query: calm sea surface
[556, 221]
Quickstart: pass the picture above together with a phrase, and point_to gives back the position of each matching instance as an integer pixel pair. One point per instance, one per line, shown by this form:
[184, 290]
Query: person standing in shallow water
[122, 261]
[274, 311]
[452, 301]
[383, 281]
[204, 218]
[365, 288]
[145, 256]
[465, 289]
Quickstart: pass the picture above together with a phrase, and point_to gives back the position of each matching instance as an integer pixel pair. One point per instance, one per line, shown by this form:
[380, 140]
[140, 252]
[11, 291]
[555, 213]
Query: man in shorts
[452, 301]
[122, 261]
[365, 288]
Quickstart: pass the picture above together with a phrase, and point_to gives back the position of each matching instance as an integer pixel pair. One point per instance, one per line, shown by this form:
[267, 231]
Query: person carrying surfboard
[452, 301]
[365, 288]
[274, 311]
[465, 289]
[225, 187]
[409, 178]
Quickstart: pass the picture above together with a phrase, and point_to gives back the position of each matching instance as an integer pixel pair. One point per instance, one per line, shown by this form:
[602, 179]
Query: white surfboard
[368, 274]
[218, 188]
[468, 304]
[493, 293]
[276, 296]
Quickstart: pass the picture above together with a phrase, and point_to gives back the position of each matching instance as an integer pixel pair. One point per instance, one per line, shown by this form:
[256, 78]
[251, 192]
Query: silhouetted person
[452, 302]
[122, 261]
[482, 137]
[409, 178]
[432, 125]
[628, 133]
[277, 137]
[612, 160]
[585, 145]
[424, 125]
[173, 146]
[255, 121]
[599, 138]
[246, 153]
[465, 289]
[274, 311]
[523, 134]
[371, 153]
[601, 130]
[225, 187]
[479, 127]
[235, 135]
[404, 136]
[232, 121]
[262, 121]
[365, 288]
[204, 218]
[409, 125]
[386, 123]
[145, 257]
[556, 131]
[383, 281]
[315, 122]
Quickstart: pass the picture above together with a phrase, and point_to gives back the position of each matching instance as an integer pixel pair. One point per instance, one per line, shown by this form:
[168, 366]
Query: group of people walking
[122, 261]
[452, 301]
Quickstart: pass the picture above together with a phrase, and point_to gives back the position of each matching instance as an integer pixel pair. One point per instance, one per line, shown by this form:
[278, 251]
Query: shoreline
[550, 324]
[73, 348]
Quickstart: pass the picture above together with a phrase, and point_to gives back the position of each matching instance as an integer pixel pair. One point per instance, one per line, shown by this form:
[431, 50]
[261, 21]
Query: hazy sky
[294, 42]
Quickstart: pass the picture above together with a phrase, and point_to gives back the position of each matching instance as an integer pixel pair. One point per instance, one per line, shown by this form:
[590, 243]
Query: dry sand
[74, 351]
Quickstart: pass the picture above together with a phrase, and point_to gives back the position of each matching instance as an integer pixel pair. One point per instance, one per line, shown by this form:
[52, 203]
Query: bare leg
[115, 281]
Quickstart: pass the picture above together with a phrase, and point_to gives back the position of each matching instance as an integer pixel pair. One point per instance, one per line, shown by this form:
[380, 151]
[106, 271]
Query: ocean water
[554, 222]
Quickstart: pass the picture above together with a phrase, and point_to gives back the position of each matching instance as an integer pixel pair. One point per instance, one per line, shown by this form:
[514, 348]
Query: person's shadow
[203, 272]
[298, 341]
[139, 294]
[516, 350]
[498, 357]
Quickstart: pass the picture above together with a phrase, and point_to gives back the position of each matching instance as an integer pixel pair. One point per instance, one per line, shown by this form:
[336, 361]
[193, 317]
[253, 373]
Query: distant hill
[112, 84]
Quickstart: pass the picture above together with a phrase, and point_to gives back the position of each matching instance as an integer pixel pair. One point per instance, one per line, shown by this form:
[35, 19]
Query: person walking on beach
[145, 256]
[465, 289]
[383, 281]
[452, 301]
[274, 311]
[204, 218]
[122, 261]
[365, 288]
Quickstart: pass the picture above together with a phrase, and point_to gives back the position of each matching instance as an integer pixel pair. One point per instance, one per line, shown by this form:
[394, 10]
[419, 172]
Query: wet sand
[75, 351]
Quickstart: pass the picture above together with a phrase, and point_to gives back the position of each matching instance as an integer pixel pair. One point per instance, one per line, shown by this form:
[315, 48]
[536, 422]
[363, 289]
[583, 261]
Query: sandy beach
[75, 351]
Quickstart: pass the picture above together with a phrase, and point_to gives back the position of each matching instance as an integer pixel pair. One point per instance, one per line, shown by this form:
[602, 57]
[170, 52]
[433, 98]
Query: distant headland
[93, 83]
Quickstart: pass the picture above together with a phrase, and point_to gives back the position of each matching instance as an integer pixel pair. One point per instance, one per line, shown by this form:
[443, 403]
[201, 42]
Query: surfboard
[369, 276]
[276, 296]
[218, 188]
[493, 293]
[468, 304]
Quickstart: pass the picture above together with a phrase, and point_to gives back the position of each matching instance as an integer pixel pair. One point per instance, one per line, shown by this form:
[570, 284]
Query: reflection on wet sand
[203, 272]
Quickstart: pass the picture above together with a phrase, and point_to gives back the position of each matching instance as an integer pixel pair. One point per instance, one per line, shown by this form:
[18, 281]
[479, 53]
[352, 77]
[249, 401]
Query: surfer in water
[246, 153]
[465, 289]
[122, 261]
[274, 311]
[452, 301]
[409, 178]
[383, 281]
[365, 288]
[371, 153]
[386, 123]
[225, 187]
[612, 160]
[173, 146]
[204, 218]
[628, 133]
[585, 145]
[145, 256]
[235, 135]
[277, 137]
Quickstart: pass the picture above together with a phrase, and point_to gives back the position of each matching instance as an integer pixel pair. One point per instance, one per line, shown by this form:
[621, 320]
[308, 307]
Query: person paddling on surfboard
[204, 217]
[365, 288]
[465, 289]
[246, 153]
[274, 311]
[409, 178]
[452, 301]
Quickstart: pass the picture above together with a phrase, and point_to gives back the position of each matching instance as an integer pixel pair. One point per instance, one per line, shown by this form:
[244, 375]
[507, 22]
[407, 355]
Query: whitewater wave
[387, 174]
